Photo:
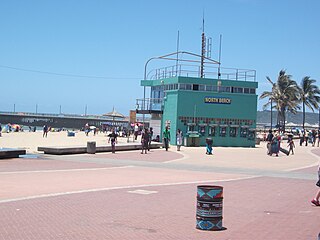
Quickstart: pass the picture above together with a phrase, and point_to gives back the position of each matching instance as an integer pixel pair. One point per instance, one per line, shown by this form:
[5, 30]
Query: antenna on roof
[177, 61]
[203, 48]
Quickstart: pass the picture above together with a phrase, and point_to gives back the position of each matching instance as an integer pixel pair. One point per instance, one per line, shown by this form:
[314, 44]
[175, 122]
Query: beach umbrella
[114, 114]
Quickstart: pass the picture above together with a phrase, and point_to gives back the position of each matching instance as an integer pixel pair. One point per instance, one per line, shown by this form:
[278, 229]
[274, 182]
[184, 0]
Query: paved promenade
[129, 195]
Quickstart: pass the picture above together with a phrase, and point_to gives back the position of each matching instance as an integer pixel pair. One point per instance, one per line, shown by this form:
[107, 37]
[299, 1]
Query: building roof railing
[188, 70]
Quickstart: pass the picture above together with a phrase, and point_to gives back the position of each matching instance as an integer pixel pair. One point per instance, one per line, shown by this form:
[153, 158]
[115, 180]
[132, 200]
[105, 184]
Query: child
[291, 146]
[209, 142]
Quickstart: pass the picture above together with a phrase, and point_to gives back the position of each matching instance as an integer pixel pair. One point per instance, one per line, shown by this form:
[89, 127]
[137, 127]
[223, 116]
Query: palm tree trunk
[284, 121]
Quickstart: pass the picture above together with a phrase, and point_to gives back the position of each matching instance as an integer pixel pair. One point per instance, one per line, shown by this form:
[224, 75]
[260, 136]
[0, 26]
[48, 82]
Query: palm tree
[284, 94]
[309, 96]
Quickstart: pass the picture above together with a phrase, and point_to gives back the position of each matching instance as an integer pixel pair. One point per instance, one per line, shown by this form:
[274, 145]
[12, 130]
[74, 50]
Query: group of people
[309, 137]
[146, 138]
[274, 141]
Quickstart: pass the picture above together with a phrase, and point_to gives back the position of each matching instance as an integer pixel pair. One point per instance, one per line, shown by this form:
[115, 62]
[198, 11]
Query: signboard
[217, 100]
[133, 116]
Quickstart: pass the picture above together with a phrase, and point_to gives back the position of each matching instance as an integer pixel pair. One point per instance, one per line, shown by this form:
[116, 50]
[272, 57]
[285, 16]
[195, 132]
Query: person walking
[306, 138]
[113, 139]
[315, 200]
[166, 138]
[87, 129]
[144, 141]
[0, 130]
[179, 138]
[45, 131]
[275, 144]
[314, 137]
[302, 134]
[209, 143]
[136, 131]
[150, 138]
[291, 145]
[269, 141]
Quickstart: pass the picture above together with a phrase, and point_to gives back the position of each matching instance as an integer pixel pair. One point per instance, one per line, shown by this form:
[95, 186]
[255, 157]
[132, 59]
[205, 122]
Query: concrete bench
[80, 149]
[62, 150]
[11, 153]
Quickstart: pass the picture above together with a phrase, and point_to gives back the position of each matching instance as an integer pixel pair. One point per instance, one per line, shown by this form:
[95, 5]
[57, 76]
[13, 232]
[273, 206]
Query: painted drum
[209, 207]
[209, 224]
[206, 192]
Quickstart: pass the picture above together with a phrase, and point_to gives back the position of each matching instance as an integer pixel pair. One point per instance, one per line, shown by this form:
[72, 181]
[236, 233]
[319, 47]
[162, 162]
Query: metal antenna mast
[203, 49]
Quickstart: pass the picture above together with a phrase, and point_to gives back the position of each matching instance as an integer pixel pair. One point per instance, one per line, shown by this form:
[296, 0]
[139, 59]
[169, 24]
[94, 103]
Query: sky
[88, 56]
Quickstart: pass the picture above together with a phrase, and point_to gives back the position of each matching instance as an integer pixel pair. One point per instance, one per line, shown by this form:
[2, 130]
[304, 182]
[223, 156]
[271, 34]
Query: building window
[202, 130]
[184, 86]
[233, 131]
[251, 134]
[210, 88]
[238, 90]
[212, 131]
[246, 90]
[191, 127]
[195, 87]
[223, 131]
[224, 89]
[252, 91]
[244, 132]
[202, 87]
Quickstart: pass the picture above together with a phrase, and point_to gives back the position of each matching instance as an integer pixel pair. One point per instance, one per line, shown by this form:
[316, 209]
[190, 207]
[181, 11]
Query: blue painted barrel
[209, 207]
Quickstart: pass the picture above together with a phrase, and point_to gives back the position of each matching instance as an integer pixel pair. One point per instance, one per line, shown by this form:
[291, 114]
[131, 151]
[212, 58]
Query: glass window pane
[202, 87]
[223, 131]
[252, 91]
[233, 131]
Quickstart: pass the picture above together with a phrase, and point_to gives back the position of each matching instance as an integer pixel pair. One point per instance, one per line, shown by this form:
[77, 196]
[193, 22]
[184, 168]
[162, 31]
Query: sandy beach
[30, 141]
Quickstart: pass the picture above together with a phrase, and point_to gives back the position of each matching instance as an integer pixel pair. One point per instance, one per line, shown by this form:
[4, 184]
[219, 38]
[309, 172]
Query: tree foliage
[308, 96]
[284, 96]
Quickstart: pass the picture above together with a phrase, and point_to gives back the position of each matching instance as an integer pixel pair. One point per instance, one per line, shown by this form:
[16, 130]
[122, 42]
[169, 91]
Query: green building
[222, 108]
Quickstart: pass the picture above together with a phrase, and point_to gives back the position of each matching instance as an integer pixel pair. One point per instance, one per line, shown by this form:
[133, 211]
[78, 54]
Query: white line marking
[143, 192]
[65, 170]
[311, 165]
[120, 187]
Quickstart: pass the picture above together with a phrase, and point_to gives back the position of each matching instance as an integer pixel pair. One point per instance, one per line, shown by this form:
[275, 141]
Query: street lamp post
[271, 114]
[319, 120]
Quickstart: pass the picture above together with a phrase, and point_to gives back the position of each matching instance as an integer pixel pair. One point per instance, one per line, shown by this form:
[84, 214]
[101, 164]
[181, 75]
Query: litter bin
[91, 147]
[209, 208]
[192, 140]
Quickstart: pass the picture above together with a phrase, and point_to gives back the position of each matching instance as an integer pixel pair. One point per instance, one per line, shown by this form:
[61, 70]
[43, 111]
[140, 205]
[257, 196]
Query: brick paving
[130, 196]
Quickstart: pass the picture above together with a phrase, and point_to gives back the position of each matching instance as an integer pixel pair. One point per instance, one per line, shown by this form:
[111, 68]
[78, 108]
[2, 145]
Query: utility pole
[271, 115]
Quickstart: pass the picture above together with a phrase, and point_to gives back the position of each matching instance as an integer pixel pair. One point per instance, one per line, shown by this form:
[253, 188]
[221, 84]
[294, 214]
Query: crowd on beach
[274, 140]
